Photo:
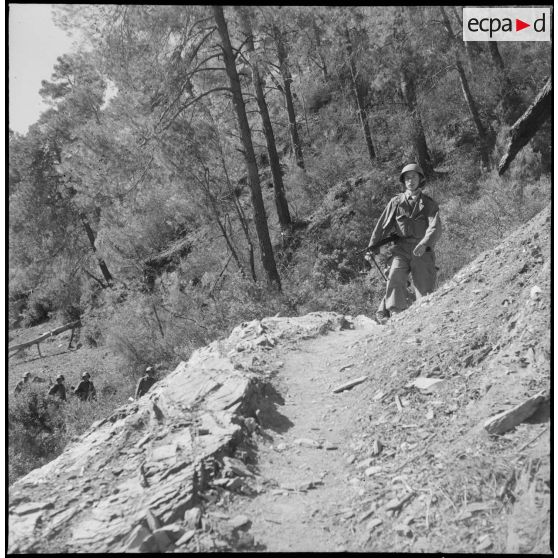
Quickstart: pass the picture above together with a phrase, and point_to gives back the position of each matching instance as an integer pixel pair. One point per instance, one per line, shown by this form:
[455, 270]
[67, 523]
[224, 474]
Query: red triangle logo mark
[519, 25]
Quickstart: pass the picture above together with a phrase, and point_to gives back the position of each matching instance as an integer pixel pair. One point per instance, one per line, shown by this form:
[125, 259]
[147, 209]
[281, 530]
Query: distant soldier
[23, 382]
[58, 389]
[145, 382]
[86, 390]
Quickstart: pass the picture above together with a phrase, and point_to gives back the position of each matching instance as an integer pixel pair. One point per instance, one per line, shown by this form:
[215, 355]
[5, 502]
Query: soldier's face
[412, 180]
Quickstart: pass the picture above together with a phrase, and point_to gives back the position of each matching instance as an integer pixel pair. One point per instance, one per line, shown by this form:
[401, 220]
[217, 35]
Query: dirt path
[309, 503]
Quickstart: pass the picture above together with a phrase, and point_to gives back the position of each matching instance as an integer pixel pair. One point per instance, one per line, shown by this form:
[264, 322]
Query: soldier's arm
[382, 224]
[434, 230]
[138, 389]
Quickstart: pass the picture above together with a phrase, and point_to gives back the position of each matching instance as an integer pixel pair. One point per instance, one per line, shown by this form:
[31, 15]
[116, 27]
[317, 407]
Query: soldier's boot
[382, 316]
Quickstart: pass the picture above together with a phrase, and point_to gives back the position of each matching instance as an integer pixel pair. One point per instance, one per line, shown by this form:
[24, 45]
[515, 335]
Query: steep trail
[439, 482]
[309, 495]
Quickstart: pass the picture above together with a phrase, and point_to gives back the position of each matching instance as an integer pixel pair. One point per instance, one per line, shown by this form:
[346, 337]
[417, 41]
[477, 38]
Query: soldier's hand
[419, 250]
[370, 253]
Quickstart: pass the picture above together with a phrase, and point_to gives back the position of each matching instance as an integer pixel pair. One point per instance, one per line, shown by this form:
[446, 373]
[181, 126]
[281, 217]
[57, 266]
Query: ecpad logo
[506, 24]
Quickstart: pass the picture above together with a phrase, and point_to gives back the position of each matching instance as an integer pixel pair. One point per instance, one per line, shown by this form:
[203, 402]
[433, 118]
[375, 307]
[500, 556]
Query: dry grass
[528, 526]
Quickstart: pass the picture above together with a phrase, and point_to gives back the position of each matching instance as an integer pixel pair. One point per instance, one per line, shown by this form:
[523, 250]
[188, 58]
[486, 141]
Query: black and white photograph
[279, 279]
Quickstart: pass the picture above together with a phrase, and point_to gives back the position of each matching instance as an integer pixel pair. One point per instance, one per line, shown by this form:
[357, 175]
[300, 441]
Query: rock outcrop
[132, 482]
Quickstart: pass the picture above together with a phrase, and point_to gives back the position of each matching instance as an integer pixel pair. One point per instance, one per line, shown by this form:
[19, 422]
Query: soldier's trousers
[422, 270]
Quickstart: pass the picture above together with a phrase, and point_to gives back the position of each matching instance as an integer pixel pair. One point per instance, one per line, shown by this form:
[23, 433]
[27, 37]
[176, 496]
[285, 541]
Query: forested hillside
[202, 166]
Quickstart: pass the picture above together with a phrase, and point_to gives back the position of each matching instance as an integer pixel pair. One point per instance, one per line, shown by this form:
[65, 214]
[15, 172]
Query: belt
[412, 241]
[409, 239]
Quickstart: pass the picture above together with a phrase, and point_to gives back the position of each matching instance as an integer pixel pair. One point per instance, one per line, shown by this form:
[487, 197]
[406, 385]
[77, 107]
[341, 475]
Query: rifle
[383, 242]
[392, 238]
[378, 267]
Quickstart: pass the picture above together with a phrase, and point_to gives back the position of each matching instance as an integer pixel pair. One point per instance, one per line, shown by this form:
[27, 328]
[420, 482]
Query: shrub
[36, 431]
[17, 303]
[37, 310]
[140, 333]
[60, 294]
[471, 228]
[64, 292]
[69, 313]
[99, 306]
[40, 426]
[317, 97]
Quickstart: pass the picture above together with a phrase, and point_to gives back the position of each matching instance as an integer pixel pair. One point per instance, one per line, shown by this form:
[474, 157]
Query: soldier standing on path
[23, 382]
[58, 389]
[145, 382]
[86, 390]
[413, 217]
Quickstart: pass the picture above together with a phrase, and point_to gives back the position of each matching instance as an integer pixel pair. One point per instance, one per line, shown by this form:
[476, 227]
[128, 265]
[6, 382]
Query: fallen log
[45, 336]
[512, 417]
[527, 125]
[350, 384]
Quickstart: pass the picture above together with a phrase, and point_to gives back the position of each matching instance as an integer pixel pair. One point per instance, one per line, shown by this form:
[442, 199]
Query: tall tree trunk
[359, 100]
[475, 115]
[237, 206]
[156, 314]
[510, 99]
[266, 250]
[91, 236]
[221, 226]
[471, 56]
[495, 55]
[279, 189]
[287, 80]
[317, 36]
[471, 104]
[408, 91]
[88, 231]
[241, 217]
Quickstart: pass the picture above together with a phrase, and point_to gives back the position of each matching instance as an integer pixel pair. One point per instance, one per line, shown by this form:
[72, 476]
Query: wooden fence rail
[16, 348]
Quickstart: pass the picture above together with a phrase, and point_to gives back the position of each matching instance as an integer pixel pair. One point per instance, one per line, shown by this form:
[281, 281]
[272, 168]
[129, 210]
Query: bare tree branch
[192, 102]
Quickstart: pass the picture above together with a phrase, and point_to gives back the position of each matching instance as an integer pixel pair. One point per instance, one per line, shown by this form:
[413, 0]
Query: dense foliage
[133, 202]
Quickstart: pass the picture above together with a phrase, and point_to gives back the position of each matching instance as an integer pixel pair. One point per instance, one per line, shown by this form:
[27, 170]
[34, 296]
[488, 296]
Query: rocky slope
[130, 476]
[250, 445]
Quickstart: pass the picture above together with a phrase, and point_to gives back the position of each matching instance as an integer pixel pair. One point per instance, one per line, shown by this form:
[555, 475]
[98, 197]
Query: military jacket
[85, 390]
[144, 384]
[58, 389]
[415, 222]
